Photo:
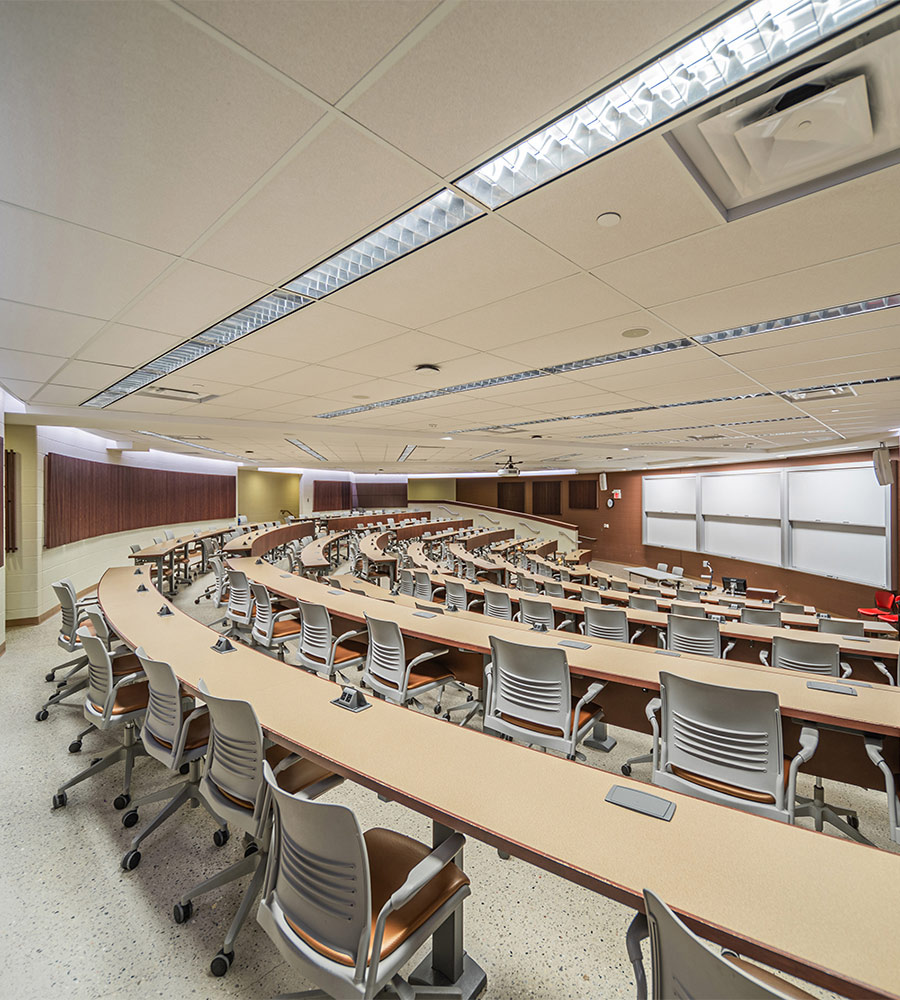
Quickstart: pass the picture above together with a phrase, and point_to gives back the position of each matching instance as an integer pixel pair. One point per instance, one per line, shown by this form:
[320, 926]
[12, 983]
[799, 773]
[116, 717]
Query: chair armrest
[438, 590]
[471, 604]
[588, 696]
[651, 711]
[882, 668]
[566, 623]
[809, 740]
[426, 870]
[287, 613]
[349, 635]
[182, 739]
[581, 626]
[638, 929]
[428, 655]
[136, 675]
[874, 747]
[727, 650]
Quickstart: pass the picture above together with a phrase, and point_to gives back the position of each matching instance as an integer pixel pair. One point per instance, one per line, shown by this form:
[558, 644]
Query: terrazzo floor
[76, 925]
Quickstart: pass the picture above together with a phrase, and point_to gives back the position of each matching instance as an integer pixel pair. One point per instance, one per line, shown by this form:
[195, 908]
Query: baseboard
[49, 613]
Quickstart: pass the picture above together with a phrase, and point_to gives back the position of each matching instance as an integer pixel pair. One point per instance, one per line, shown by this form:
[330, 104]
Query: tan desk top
[372, 546]
[263, 540]
[416, 553]
[160, 549]
[313, 555]
[779, 897]
[483, 538]
[875, 709]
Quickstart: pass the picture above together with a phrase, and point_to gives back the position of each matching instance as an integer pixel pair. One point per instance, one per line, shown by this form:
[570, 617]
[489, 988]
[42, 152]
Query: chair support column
[600, 738]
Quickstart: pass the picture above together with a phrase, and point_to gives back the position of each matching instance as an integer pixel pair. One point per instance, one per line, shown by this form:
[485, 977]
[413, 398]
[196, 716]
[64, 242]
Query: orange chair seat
[286, 627]
[587, 712]
[198, 732]
[728, 789]
[131, 698]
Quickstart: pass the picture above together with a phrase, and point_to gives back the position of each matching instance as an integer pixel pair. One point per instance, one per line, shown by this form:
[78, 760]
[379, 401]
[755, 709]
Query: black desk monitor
[734, 584]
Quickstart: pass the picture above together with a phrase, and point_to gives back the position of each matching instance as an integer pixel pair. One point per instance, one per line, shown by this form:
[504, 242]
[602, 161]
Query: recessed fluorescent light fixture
[306, 448]
[801, 319]
[425, 223]
[190, 444]
[407, 451]
[247, 320]
[490, 383]
[488, 454]
[758, 37]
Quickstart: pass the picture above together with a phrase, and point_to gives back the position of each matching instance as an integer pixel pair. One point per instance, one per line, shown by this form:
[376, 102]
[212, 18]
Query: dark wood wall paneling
[546, 496]
[331, 494]
[621, 541]
[511, 496]
[85, 499]
[582, 494]
[381, 495]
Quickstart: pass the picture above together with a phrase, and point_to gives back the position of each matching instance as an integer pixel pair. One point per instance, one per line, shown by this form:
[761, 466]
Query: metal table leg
[448, 962]
[600, 738]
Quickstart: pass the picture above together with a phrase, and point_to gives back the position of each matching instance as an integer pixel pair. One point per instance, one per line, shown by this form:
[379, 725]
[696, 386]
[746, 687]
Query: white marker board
[670, 494]
[671, 531]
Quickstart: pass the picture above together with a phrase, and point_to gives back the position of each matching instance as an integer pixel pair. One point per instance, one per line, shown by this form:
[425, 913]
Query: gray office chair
[554, 589]
[319, 651]
[619, 585]
[852, 627]
[111, 701]
[663, 567]
[697, 636]
[170, 535]
[73, 614]
[683, 966]
[651, 592]
[875, 750]
[761, 616]
[497, 604]
[678, 571]
[791, 609]
[605, 623]
[688, 610]
[642, 603]
[687, 596]
[540, 614]
[239, 611]
[528, 697]
[217, 592]
[422, 585]
[236, 792]
[724, 744]
[348, 910]
[527, 584]
[388, 674]
[176, 733]
[407, 583]
[456, 596]
[591, 596]
[272, 629]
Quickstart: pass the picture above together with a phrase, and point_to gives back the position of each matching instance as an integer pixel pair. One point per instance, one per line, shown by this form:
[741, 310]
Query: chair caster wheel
[75, 746]
[130, 818]
[131, 860]
[853, 821]
[471, 697]
[437, 709]
[49, 677]
[183, 912]
[220, 838]
[626, 769]
[121, 801]
[60, 800]
[446, 716]
[251, 849]
[41, 716]
[184, 768]
[221, 963]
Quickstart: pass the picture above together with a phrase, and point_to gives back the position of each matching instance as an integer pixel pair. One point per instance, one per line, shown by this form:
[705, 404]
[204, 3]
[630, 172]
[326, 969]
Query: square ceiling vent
[837, 120]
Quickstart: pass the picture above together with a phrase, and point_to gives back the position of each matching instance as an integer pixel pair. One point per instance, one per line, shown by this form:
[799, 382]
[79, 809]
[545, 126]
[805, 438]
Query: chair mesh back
[262, 621]
[687, 610]
[527, 584]
[690, 596]
[497, 604]
[100, 679]
[531, 683]
[456, 595]
[553, 589]
[684, 968]
[240, 602]
[842, 626]
[606, 623]
[407, 583]
[316, 637]
[699, 636]
[811, 657]
[723, 733]
[163, 720]
[422, 590]
[234, 760]
[643, 603]
[386, 654]
[536, 612]
[321, 872]
[761, 616]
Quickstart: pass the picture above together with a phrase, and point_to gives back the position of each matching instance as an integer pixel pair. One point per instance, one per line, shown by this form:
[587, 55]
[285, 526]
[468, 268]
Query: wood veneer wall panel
[582, 494]
[331, 494]
[511, 496]
[546, 496]
[381, 495]
[86, 499]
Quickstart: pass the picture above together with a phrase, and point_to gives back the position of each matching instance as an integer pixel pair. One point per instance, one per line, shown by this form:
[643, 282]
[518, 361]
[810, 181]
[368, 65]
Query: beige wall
[431, 489]
[263, 495]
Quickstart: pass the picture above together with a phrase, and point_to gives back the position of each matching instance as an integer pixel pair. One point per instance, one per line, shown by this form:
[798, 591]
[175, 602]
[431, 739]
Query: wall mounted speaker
[881, 462]
[601, 480]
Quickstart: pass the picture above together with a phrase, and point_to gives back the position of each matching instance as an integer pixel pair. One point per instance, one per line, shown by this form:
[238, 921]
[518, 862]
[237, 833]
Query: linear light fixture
[191, 444]
[306, 448]
[755, 38]
[407, 451]
[783, 393]
[488, 475]
[487, 454]
[695, 427]
[801, 319]
[489, 383]
[439, 215]
[245, 321]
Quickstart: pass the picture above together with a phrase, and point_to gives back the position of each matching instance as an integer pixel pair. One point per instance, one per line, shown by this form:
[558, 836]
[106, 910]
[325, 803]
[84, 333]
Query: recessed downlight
[609, 219]
[428, 368]
[635, 332]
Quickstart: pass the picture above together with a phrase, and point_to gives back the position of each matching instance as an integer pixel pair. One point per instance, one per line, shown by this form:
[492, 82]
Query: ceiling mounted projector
[508, 468]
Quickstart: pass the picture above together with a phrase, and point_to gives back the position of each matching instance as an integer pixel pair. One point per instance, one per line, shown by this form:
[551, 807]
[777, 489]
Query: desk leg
[160, 573]
[600, 738]
[448, 963]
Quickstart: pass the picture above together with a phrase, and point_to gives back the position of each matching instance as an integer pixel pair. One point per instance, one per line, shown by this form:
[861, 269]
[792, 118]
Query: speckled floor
[76, 925]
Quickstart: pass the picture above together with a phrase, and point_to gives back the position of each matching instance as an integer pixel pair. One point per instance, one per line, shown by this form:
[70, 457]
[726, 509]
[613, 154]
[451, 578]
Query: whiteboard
[856, 554]
[837, 495]
[671, 531]
[670, 494]
[749, 494]
[752, 539]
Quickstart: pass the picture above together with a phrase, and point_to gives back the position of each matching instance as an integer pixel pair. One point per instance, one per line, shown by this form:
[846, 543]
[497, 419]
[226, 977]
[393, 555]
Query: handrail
[501, 510]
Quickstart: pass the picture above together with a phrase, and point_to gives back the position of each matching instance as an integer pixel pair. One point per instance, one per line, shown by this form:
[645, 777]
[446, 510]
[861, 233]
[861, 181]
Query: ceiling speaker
[601, 479]
[881, 462]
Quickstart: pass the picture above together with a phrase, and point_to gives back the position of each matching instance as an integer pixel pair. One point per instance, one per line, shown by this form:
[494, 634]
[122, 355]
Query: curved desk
[765, 902]
[159, 552]
[263, 540]
[313, 555]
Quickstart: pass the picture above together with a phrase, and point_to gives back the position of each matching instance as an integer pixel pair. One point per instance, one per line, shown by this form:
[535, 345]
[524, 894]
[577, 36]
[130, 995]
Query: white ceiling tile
[255, 399]
[89, 374]
[61, 395]
[545, 309]
[484, 261]
[235, 366]
[44, 331]
[21, 388]
[160, 127]
[26, 366]
[46, 262]
[399, 356]
[310, 380]
[127, 345]
[488, 71]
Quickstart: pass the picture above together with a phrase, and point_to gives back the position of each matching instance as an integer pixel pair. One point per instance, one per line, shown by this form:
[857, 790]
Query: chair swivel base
[127, 752]
[470, 984]
[644, 758]
[821, 812]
